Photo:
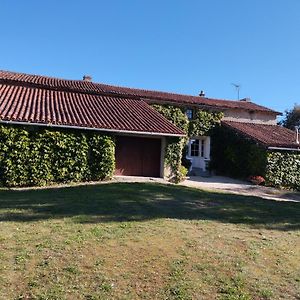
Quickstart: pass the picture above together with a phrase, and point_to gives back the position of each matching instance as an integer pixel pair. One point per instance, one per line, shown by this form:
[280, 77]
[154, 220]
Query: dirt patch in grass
[147, 241]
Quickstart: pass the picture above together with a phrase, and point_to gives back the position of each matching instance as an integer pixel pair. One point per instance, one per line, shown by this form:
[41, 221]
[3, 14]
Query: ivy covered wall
[236, 156]
[36, 157]
[233, 155]
[200, 125]
[283, 169]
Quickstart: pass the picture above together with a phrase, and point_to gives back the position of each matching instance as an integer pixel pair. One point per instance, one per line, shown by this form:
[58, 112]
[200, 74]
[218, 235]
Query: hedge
[36, 157]
[235, 156]
[283, 169]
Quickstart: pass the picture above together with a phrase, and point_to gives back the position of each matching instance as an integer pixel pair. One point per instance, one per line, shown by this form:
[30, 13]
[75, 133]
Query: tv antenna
[237, 87]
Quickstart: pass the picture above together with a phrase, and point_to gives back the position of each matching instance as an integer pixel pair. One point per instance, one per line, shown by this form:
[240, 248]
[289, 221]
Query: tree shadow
[144, 201]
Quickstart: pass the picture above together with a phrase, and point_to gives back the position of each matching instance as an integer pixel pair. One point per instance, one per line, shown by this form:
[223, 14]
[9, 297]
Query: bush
[39, 157]
[283, 169]
[258, 180]
[235, 156]
[183, 172]
[15, 152]
[101, 158]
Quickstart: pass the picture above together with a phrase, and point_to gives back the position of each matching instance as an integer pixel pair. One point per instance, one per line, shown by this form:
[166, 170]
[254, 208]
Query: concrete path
[224, 185]
[234, 186]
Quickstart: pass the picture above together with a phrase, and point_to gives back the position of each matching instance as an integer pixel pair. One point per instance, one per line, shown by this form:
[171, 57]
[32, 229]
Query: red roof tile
[22, 103]
[267, 135]
[151, 96]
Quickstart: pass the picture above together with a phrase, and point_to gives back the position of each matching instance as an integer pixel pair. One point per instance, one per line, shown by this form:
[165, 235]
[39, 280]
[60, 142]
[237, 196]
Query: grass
[147, 241]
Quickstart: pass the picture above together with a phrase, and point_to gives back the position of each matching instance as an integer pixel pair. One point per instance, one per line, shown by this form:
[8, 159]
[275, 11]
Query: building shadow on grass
[144, 201]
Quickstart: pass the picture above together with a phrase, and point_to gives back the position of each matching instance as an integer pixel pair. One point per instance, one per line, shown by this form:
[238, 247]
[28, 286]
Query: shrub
[283, 169]
[183, 172]
[258, 180]
[38, 157]
[235, 156]
[101, 157]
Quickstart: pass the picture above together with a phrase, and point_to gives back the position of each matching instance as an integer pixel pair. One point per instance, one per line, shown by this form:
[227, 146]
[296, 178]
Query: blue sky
[169, 45]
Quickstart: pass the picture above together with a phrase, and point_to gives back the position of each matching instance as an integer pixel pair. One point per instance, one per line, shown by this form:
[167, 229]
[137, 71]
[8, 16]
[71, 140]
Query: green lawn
[147, 241]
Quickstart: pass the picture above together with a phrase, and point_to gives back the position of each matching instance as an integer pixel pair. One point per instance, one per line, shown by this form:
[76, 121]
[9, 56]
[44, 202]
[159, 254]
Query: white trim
[281, 148]
[90, 128]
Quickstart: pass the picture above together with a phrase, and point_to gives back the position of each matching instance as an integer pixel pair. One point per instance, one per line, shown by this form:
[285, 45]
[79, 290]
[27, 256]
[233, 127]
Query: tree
[291, 118]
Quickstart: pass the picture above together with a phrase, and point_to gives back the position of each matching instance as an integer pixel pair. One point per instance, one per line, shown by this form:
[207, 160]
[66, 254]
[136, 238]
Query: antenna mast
[237, 87]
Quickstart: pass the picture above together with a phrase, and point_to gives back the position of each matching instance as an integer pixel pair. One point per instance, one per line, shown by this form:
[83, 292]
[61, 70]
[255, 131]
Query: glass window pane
[195, 148]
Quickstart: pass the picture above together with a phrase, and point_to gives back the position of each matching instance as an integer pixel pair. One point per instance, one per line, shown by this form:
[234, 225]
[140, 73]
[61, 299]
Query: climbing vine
[174, 114]
[283, 169]
[235, 156]
[201, 124]
[36, 157]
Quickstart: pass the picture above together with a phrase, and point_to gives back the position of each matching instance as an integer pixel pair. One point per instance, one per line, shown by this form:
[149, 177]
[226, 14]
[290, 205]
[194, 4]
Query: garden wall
[31, 156]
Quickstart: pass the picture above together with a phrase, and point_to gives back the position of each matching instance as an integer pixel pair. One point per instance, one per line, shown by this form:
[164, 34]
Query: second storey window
[189, 114]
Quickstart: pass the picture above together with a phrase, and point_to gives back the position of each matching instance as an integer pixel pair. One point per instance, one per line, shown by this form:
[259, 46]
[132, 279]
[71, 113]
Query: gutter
[282, 148]
[90, 128]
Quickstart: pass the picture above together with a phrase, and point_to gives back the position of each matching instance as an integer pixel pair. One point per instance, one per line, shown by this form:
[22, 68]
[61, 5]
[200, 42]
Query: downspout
[297, 134]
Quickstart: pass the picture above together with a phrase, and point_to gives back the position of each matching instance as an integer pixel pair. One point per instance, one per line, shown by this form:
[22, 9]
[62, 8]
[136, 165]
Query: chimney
[202, 94]
[87, 78]
[246, 99]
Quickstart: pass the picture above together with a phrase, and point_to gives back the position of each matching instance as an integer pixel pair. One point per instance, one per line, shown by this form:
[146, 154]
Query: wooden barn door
[138, 156]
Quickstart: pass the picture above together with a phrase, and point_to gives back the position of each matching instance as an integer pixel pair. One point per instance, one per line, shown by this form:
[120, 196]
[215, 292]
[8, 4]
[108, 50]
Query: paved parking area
[229, 185]
[224, 185]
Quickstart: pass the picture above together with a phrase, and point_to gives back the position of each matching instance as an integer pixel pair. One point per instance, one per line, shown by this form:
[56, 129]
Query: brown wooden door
[138, 156]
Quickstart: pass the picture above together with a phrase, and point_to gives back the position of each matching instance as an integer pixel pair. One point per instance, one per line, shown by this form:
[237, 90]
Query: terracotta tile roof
[149, 96]
[267, 135]
[21, 103]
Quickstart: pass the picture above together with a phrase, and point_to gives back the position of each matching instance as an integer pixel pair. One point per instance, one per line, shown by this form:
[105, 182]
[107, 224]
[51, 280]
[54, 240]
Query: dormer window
[189, 114]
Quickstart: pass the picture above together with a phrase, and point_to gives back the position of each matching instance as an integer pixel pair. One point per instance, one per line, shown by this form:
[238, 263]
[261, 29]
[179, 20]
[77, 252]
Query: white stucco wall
[239, 115]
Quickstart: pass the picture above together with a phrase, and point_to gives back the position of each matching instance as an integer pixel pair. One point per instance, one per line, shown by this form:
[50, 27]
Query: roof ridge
[106, 85]
[81, 86]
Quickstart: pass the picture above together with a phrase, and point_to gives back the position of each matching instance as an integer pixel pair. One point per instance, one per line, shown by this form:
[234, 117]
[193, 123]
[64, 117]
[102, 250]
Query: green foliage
[174, 114]
[291, 118]
[283, 169]
[173, 154]
[174, 146]
[233, 155]
[41, 158]
[101, 159]
[183, 171]
[68, 156]
[14, 153]
[29, 158]
[203, 122]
